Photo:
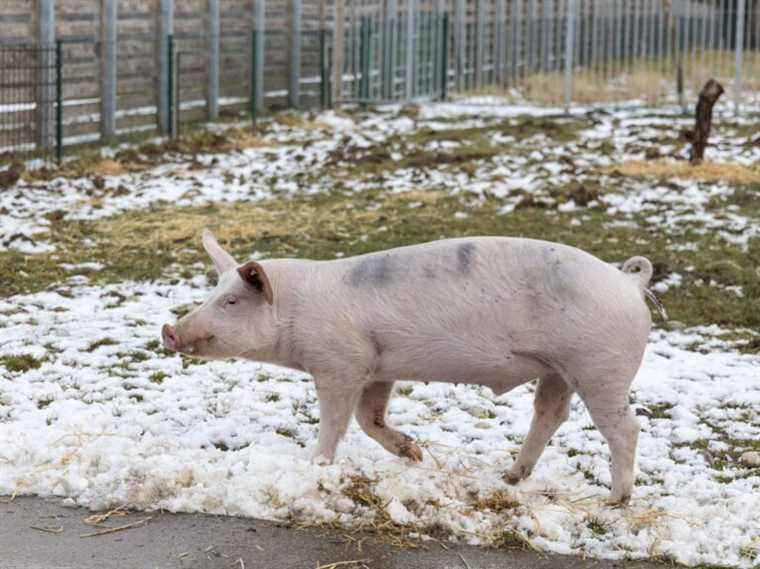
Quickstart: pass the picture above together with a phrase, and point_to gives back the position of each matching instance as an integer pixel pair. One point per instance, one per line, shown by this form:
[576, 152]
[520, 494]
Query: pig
[491, 311]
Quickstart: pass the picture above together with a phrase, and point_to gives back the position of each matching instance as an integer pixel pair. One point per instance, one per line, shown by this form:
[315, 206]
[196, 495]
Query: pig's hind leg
[611, 412]
[370, 414]
[605, 390]
[551, 409]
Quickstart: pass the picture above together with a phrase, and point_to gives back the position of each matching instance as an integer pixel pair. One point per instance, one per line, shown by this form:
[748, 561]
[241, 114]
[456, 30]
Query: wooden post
[708, 96]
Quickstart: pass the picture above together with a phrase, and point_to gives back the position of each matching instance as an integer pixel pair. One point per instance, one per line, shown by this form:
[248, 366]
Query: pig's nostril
[170, 338]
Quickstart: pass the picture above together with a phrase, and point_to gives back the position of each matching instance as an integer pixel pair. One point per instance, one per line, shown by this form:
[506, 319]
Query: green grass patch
[158, 377]
[20, 363]
[100, 343]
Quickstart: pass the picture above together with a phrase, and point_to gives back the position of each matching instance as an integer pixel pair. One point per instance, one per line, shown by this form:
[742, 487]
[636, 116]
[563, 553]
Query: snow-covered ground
[98, 415]
[292, 152]
[103, 421]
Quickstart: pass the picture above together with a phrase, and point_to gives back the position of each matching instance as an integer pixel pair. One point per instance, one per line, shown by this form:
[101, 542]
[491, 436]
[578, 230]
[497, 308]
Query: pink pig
[490, 311]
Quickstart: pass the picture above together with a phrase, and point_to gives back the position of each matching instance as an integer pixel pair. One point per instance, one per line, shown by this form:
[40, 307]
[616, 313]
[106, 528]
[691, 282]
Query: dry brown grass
[108, 168]
[705, 172]
[641, 84]
[233, 224]
[648, 80]
[303, 122]
[242, 138]
[497, 501]
[549, 89]
[245, 222]
[414, 195]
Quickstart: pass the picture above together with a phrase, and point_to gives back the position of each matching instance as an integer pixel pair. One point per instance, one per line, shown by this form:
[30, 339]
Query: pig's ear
[254, 276]
[223, 261]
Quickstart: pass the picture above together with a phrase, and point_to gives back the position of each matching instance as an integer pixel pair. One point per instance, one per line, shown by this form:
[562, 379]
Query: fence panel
[30, 81]
[656, 51]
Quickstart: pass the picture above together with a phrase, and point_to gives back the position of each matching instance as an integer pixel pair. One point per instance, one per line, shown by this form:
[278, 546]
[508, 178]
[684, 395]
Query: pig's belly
[500, 373]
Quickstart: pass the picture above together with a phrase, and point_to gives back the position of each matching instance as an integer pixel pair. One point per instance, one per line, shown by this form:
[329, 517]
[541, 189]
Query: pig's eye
[230, 300]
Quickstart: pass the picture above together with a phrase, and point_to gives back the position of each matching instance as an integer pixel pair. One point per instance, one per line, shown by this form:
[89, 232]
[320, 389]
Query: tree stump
[708, 96]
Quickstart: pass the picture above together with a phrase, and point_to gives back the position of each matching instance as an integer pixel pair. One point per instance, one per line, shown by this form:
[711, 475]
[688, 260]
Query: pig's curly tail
[641, 268]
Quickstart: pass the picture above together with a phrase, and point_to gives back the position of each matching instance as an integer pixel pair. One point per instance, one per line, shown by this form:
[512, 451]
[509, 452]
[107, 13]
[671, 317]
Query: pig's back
[495, 284]
[471, 305]
[474, 271]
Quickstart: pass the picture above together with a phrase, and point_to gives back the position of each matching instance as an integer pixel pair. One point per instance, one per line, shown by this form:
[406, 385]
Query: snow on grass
[295, 157]
[92, 410]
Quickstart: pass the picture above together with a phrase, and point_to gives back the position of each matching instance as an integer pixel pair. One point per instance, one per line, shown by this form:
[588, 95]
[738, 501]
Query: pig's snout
[170, 338]
[189, 345]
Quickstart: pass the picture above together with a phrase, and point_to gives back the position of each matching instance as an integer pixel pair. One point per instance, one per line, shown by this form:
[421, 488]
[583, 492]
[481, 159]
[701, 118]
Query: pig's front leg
[370, 414]
[337, 401]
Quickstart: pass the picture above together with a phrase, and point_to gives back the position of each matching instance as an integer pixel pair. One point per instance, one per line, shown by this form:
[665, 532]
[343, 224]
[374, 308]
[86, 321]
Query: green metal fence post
[445, 58]
[323, 80]
[365, 60]
[254, 78]
[170, 84]
[329, 74]
[368, 60]
[59, 101]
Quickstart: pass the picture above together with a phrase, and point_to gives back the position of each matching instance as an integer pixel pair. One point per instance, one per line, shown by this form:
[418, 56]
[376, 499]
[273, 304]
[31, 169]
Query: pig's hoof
[411, 451]
[618, 502]
[514, 475]
[321, 460]
[511, 478]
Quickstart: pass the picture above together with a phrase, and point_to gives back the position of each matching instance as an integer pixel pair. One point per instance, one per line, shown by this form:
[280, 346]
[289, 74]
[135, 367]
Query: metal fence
[554, 51]
[392, 59]
[592, 51]
[30, 99]
[121, 77]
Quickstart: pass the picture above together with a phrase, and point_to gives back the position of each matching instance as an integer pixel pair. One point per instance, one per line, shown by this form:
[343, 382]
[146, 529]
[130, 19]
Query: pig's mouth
[173, 342]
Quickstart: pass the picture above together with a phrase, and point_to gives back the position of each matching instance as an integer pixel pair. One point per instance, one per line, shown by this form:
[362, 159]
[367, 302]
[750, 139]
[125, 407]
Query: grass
[20, 363]
[498, 501]
[597, 526]
[158, 377]
[649, 80]
[100, 343]
[361, 490]
[151, 243]
[738, 174]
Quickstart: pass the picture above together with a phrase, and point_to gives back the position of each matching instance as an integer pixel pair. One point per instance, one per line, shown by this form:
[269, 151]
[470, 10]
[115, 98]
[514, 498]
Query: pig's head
[236, 320]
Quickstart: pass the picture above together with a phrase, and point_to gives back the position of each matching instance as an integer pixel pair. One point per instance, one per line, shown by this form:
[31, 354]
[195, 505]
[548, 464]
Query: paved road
[190, 541]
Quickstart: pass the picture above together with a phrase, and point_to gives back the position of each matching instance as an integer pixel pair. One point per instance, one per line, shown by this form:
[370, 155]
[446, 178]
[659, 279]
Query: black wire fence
[31, 100]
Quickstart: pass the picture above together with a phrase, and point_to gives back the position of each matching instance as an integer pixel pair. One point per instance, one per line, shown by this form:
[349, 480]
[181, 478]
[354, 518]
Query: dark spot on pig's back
[371, 270]
[465, 257]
